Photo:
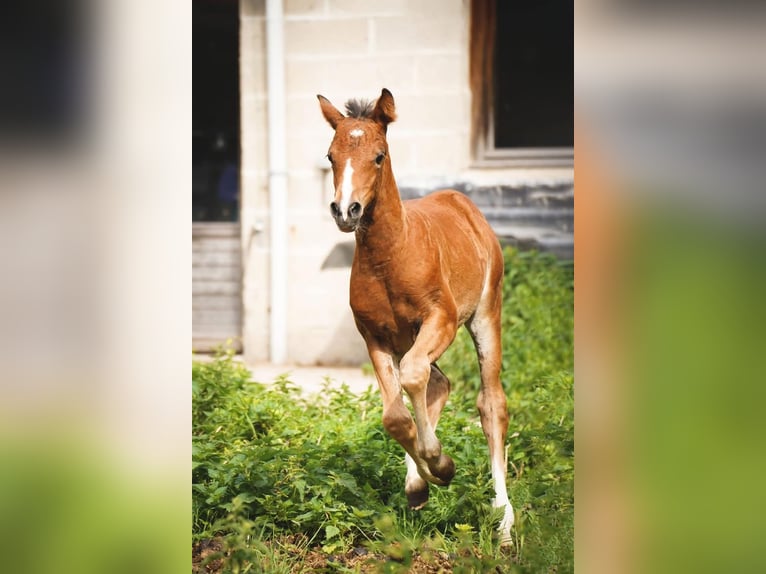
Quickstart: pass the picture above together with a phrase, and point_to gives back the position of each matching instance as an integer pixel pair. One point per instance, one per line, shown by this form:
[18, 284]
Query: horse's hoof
[440, 472]
[504, 529]
[444, 469]
[417, 498]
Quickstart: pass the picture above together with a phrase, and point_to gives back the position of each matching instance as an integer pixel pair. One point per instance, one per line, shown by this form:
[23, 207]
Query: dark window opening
[45, 74]
[215, 111]
[522, 76]
[534, 74]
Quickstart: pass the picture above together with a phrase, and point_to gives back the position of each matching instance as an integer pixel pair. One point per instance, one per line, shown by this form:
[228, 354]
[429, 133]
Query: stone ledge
[529, 216]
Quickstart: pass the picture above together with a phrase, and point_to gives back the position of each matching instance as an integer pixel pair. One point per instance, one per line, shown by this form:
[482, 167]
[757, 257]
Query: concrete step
[545, 239]
[545, 196]
[558, 218]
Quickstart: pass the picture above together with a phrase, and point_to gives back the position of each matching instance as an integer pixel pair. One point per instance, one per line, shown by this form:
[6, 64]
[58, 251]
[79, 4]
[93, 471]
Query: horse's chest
[391, 317]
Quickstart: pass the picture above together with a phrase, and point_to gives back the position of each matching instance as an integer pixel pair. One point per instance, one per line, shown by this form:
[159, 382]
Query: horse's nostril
[355, 209]
[334, 209]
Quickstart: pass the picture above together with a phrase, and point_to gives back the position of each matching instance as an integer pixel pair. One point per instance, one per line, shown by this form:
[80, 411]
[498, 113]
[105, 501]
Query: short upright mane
[359, 108]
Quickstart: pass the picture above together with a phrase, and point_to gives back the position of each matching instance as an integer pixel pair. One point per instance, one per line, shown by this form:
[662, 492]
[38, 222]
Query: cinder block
[338, 343]
[313, 234]
[395, 72]
[364, 76]
[304, 117]
[305, 153]
[305, 191]
[445, 112]
[320, 324]
[401, 153]
[304, 7]
[249, 8]
[305, 76]
[440, 8]
[434, 72]
[370, 7]
[253, 135]
[255, 305]
[312, 295]
[411, 34]
[254, 198]
[252, 38]
[326, 37]
[354, 76]
[252, 78]
[442, 156]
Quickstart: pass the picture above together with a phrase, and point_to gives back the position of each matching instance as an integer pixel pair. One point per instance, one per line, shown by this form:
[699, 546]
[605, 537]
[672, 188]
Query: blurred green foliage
[693, 322]
[66, 508]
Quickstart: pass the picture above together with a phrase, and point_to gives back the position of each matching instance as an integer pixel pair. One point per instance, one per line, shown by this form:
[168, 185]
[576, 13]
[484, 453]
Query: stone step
[561, 244]
[561, 219]
[554, 195]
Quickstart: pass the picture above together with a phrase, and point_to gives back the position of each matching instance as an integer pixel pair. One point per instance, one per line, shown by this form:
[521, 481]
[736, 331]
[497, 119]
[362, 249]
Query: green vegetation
[286, 483]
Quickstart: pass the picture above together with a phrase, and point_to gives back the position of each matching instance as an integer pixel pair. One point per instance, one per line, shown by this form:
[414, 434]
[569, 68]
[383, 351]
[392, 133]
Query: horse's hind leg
[437, 392]
[484, 327]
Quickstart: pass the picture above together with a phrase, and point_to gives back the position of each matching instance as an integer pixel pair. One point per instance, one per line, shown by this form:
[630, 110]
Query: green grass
[280, 477]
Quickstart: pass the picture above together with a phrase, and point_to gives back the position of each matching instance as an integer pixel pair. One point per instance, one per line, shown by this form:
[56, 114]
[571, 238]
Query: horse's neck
[387, 227]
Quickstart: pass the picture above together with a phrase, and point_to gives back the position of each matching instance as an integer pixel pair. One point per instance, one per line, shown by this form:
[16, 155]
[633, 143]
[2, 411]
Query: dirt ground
[358, 559]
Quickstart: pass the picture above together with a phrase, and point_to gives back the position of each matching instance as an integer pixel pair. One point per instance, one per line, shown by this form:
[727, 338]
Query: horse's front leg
[415, 487]
[396, 416]
[436, 334]
[397, 419]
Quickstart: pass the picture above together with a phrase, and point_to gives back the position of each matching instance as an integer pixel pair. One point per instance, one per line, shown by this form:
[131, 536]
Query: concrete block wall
[343, 49]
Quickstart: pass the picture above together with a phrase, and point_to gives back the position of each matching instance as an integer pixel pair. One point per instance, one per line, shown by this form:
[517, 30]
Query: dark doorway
[216, 244]
[534, 74]
[215, 115]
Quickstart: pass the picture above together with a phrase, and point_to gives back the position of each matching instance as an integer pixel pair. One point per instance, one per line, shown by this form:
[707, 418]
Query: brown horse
[422, 268]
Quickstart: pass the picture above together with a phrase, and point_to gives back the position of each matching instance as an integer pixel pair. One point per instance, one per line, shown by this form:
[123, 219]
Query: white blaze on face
[346, 188]
[356, 133]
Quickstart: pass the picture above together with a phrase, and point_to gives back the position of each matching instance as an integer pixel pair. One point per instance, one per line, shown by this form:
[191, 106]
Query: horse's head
[358, 154]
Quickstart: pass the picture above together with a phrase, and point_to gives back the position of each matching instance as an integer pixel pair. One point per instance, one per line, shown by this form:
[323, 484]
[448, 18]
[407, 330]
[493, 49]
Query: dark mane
[359, 108]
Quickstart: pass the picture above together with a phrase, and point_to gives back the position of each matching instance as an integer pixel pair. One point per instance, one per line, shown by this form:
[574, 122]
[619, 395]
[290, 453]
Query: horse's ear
[384, 111]
[330, 112]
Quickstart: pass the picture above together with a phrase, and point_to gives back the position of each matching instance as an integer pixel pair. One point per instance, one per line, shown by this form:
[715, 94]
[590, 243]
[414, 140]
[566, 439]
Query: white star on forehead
[356, 133]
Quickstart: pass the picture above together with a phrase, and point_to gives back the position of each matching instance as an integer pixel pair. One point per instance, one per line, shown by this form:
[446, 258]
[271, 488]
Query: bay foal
[421, 269]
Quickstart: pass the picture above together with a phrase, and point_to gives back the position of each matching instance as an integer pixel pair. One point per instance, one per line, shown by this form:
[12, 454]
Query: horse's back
[447, 213]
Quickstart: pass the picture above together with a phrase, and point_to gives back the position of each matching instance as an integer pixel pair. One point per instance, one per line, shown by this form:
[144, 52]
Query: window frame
[481, 56]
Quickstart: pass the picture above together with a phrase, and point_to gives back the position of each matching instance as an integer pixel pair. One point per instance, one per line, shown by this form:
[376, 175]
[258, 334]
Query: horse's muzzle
[346, 222]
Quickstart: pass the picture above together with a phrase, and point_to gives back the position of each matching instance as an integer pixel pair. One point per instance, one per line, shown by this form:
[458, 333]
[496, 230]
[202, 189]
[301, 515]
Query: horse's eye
[329, 157]
[379, 158]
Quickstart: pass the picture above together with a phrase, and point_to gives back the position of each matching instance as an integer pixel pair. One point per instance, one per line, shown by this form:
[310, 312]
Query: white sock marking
[412, 469]
[502, 501]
